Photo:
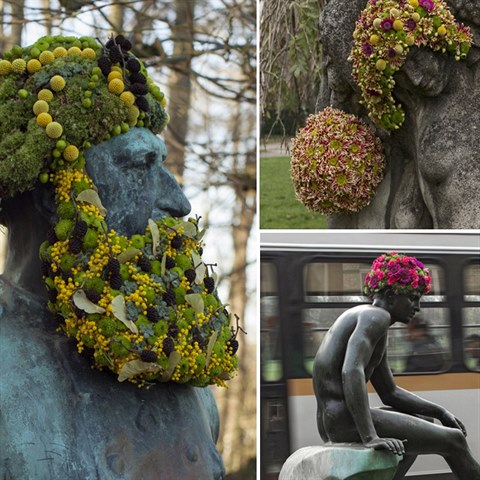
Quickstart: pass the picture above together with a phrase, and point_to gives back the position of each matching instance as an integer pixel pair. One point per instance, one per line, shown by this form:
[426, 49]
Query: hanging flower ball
[384, 33]
[337, 163]
[402, 274]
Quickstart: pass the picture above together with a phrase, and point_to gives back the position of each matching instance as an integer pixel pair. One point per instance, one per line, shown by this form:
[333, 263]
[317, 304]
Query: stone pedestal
[340, 462]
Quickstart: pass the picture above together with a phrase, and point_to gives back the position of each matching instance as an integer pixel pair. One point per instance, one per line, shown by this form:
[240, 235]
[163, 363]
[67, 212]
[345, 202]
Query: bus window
[471, 316]
[270, 340]
[335, 281]
[423, 345]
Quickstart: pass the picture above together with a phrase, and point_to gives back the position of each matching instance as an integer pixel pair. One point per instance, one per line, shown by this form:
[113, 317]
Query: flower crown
[60, 96]
[384, 33]
[400, 273]
[337, 163]
[145, 307]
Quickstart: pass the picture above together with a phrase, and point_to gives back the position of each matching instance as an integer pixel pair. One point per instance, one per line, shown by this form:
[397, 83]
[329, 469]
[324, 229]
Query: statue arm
[404, 401]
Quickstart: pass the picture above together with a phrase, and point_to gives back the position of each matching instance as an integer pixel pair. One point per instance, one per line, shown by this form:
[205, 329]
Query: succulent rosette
[384, 33]
[145, 307]
[400, 273]
[337, 163]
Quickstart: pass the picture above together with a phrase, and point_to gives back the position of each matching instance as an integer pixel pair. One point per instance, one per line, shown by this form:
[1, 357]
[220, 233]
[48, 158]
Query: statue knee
[457, 439]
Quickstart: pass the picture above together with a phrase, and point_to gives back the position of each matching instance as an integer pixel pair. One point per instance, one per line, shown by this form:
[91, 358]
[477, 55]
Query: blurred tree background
[203, 55]
[290, 64]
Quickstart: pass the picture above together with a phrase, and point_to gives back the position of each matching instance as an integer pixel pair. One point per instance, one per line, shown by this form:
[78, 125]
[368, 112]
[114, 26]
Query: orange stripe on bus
[443, 381]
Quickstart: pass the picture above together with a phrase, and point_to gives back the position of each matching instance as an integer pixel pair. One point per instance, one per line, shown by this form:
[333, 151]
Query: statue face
[132, 181]
[404, 307]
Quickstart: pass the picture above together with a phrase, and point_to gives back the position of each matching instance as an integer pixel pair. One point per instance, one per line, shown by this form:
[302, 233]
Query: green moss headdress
[62, 95]
[145, 307]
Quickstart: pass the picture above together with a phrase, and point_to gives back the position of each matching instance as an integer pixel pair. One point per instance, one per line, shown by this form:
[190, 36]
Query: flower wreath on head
[383, 36]
[145, 307]
[401, 273]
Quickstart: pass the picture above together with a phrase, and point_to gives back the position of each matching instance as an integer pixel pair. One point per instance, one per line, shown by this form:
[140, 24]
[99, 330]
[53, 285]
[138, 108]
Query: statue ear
[44, 202]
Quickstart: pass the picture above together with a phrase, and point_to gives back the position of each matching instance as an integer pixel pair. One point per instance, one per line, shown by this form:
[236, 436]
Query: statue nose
[170, 198]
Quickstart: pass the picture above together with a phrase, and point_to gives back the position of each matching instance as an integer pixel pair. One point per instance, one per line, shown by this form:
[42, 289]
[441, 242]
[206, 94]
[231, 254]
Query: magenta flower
[427, 4]
[367, 49]
[386, 24]
[411, 24]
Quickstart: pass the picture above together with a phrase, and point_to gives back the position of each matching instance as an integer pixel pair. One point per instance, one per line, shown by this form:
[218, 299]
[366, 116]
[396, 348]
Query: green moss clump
[66, 210]
[107, 326]
[63, 229]
[96, 284]
[90, 240]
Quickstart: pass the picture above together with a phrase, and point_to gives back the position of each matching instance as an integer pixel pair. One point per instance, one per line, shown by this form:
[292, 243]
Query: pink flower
[427, 4]
[386, 24]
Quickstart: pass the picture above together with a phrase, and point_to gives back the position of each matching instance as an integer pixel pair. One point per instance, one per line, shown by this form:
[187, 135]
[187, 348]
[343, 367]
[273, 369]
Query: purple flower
[427, 4]
[411, 24]
[367, 49]
[392, 53]
[386, 24]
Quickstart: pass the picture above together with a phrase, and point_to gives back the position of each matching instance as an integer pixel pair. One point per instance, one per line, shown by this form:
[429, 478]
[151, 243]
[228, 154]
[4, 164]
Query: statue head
[138, 296]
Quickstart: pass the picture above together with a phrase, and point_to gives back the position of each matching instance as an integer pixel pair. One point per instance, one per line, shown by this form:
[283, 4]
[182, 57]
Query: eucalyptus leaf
[91, 196]
[196, 260]
[215, 277]
[163, 265]
[128, 254]
[155, 235]
[119, 309]
[173, 361]
[196, 301]
[201, 233]
[83, 303]
[200, 272]
[137, 367]
[211, 343]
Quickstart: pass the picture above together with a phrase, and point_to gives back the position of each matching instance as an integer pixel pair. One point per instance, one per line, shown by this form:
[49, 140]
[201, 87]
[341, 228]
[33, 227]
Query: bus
[308, 278]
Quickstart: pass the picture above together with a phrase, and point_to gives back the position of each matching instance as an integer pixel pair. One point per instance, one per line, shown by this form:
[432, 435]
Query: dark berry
[115, 54]
[119, 39]
[110, 43]
[173, 331]
[209, 283]
[144, 264]
[133, 65]
[93, 295]
[52, 295]
[176, 242]
[105, 65]
[80, 229]
[170, 298]
[152, 314]
[75, 245]
[142, 104]
[138, 88]
[198, 337]
[78, 312]
[233, 343]
[139, 81]
[116, 281]
[148, 356]
[51, 236]
[113, 266]
[126, 45]
[169, 262]
[190, 274]
[168, 345]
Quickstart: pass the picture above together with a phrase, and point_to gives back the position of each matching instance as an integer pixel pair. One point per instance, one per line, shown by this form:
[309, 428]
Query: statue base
[340, 462]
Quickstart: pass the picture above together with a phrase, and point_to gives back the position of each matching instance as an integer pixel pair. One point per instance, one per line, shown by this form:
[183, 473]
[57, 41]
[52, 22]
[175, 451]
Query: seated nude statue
[354, 352]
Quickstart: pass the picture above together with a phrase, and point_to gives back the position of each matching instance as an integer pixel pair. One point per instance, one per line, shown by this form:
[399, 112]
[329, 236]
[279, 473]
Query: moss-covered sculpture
[146, 307]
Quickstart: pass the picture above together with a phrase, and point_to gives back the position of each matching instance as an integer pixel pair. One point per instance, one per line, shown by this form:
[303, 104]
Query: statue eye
[150, 157]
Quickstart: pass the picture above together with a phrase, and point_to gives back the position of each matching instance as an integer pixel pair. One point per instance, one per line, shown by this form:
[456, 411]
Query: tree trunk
[180, 87]
[116, 17]
[17, 24]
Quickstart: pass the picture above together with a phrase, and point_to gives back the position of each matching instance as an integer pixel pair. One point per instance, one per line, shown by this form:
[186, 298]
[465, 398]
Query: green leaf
[163, 265]
[83, 303]
[128, 254]
[211, 343]
[173, 361]
[137, 367]
[196, 302]
[91, 196]
[119, 309]
[155, 235]
[189, 229]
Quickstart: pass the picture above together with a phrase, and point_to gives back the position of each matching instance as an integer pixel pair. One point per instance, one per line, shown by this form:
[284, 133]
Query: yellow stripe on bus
[414, 383]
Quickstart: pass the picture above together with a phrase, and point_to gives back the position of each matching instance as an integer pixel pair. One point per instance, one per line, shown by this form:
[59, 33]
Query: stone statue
[433, 159]
[59, 418]
[354, 352]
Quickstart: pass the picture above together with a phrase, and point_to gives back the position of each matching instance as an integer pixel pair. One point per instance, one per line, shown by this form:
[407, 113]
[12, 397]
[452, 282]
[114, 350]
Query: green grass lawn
[279, 207]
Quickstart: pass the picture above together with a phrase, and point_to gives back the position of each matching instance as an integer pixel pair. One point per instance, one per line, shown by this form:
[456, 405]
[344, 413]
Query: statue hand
[449, 420]
[393, 444]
